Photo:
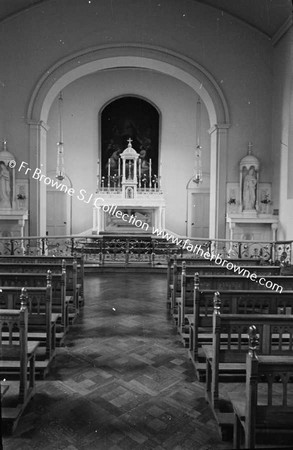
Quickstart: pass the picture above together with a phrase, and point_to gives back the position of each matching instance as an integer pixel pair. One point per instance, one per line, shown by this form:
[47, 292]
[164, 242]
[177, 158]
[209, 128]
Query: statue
[249, 189]
[5, 186]
[249, 170]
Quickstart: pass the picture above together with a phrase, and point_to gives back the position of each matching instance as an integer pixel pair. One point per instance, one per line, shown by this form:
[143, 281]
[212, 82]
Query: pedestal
[13, 223]
[261, 227]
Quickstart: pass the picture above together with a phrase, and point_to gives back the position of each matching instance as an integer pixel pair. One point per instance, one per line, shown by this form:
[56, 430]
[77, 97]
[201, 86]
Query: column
[37, 189]
[218, 171]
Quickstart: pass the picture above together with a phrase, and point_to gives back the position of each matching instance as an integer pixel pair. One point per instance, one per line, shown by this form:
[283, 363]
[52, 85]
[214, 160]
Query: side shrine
[13, 197]
[249, 209]
[130, 198]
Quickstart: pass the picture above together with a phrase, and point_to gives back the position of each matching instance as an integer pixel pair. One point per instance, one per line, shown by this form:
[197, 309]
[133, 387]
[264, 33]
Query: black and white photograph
[146, 224]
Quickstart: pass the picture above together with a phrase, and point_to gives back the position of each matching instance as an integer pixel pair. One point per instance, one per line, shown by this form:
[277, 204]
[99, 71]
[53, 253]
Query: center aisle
[122, 380]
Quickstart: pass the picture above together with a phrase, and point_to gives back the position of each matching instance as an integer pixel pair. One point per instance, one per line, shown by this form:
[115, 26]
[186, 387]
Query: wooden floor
[122, 380]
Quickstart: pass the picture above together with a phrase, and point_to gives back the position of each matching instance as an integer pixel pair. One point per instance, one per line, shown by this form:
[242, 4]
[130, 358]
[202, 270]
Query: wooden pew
[37, 280]
[265, 413]
[225, 358]
[225, 283]
[16, 354]
[232, 302]
[203, 266]
[41, 320]
[226, 280]
[74, 271]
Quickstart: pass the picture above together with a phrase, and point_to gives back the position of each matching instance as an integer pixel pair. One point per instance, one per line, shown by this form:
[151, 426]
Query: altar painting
[124, 118]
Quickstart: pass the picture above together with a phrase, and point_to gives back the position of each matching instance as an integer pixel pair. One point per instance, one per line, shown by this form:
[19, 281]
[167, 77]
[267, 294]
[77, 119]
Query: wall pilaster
[37, 189]
[219, 151]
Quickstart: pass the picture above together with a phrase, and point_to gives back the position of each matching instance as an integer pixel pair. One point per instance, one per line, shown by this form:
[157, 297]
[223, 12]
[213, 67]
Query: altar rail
[145, 249]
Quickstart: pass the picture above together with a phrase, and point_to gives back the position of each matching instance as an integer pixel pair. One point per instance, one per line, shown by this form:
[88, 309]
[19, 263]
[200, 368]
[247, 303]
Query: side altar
[129, 200]
[13, 198]
[249, 205]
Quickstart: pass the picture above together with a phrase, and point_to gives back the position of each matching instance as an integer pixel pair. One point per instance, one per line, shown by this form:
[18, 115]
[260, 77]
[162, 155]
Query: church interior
[146, 240]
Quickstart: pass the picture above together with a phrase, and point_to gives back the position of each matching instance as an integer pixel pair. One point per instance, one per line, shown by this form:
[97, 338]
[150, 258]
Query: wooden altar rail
[147, 249]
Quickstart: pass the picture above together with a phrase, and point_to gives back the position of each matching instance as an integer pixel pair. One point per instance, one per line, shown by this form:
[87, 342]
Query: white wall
[283, 135]
[82, 102]
[237, 57]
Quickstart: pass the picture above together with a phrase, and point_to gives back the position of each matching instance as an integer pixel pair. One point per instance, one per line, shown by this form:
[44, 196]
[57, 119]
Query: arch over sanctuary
[103, 58]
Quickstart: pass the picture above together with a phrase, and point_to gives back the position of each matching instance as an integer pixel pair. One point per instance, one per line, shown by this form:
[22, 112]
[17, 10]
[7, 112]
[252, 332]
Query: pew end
[266, 410]
[17, 365]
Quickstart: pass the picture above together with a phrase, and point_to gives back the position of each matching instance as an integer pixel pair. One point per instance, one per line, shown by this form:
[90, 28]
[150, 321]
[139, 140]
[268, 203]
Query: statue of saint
[5, 186]
[249, 190]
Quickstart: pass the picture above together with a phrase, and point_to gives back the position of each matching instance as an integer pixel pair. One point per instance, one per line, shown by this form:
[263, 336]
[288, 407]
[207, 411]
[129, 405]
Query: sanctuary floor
[122, 380]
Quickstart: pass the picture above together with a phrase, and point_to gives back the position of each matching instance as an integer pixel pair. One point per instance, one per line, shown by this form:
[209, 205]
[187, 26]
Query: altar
[13, 198]
[129, 200]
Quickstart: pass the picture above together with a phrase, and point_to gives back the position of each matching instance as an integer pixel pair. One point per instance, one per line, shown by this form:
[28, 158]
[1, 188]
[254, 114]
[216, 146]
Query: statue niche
[249, 170]
[249, 189]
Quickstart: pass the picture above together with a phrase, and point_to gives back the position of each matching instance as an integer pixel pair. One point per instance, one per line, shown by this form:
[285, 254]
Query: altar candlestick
[98, 174]
[119, 169]
[150, 173]
[139, 173]
[109, 172]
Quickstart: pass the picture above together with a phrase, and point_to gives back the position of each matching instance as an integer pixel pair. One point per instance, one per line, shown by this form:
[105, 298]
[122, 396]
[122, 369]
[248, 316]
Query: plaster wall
[236, 56]
[283, 135]
[82, 102]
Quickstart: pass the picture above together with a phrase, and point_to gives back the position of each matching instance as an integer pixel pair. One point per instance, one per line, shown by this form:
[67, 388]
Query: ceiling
[267, 16]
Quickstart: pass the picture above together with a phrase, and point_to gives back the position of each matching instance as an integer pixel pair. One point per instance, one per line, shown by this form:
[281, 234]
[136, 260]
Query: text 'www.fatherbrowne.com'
[198, 250]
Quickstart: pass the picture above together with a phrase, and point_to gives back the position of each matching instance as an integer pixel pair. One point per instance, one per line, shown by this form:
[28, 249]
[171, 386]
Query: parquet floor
[122, 380]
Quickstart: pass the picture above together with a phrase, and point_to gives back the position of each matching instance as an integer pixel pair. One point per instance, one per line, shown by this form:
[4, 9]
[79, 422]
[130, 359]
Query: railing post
[43, 240]
[72, 247]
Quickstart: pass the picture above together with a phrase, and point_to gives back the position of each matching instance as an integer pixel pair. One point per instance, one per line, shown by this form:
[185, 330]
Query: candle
[139, 172]
[150, 173]
[98, 173]
[109, 169]
[119, 168]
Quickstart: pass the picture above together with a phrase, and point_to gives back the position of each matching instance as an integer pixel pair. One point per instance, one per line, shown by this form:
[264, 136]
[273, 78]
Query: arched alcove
[150, 58]
[129, 117]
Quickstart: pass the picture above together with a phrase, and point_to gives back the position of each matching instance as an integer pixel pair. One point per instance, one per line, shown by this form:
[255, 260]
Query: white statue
[249, 189]
[5, 186]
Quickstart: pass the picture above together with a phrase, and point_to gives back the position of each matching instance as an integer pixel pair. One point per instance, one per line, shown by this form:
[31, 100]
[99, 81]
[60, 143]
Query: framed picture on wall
[124, 118]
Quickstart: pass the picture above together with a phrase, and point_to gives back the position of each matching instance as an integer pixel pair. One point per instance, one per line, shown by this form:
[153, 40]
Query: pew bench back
[267, 408]
[230, 344]
[19, 350]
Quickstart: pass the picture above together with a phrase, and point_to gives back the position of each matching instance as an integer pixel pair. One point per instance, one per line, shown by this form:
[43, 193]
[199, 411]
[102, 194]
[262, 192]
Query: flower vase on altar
[21, 201]
[266, 204]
